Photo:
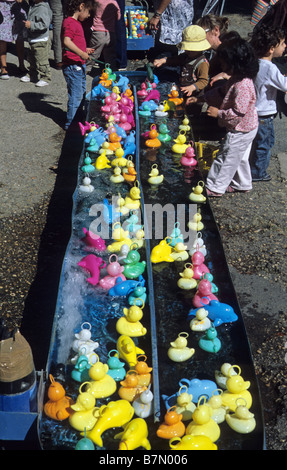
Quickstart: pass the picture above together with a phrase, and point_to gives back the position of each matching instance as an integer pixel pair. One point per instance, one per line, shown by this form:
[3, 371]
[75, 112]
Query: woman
[12, 14]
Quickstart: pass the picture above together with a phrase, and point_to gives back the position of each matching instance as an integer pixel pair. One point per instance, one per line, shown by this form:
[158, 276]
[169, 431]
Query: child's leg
[98, 41]
[261, 151]
[242, 180]
[3, 53]
[109, 51]
[41, 52]
[231, 153]
[75, 84]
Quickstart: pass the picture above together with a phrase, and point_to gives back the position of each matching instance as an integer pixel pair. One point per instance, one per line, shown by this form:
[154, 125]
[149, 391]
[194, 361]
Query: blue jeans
[261, 152]
[75, 76]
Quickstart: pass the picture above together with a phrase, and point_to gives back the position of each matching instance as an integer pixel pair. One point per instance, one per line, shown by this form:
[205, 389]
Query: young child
[75, 54]
[38, 23]
[103, 38]
[233, 105]
[268, 44]
[194, 65]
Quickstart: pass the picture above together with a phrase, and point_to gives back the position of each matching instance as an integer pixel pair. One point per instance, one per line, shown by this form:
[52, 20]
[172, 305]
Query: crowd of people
[236, 77]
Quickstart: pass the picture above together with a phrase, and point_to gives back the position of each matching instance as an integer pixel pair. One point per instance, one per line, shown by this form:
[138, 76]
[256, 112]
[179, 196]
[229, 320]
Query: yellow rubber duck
[128, 351]
[242, 420]
[180, 146]
[218, 411]
[102, 162]
[117, 176]
[134, 435]
[196, 224]
[185, 124]
[184, 404]
[154, 177]
[120, 160]
[121, 237]
[130, 388]
[132, 201]
[180, 253]
[201, 321]
[139, 238]
[130, 324]
[189, 442]
[85, 412]
[105, 148]
[202, 423]
[101, 385]
[168, 106]
[162, 252]
[222, 375]
[186, 281]
[179, 352]
[114, 414]
[196, 195]
[236, 388]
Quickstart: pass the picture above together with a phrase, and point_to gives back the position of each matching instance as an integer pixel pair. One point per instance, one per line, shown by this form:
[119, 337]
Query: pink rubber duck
[203, 294]
[188, 158]
[114, 270]
[142, 93]
[199, 268]
[93, 264]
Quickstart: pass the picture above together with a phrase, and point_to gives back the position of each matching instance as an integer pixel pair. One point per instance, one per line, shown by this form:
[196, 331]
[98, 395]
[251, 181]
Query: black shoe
[265, 178]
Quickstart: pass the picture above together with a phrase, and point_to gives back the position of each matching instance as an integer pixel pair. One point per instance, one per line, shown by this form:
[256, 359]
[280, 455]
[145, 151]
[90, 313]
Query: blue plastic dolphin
[218, 313]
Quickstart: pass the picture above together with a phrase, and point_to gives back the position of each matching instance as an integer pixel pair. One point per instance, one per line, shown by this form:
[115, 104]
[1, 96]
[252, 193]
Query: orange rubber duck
[58, 405]
[152, 140]
[173, 96]
[130, 388]
[114, 141]
[172, 426]
[143, 371]
[130, 175]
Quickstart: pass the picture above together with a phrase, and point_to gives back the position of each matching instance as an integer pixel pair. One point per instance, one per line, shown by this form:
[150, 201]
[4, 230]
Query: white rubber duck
[201, 321]
[242, 420]
[221, 375]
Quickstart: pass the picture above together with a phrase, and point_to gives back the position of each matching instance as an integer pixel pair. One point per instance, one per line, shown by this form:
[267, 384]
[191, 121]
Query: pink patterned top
[236, 102]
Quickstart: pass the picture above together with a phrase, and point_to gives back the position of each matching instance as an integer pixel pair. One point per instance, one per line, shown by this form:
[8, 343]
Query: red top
[73, 29]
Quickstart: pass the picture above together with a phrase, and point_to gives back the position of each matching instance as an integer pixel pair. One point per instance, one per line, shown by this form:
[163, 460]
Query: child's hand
[27, 24]
[188, 90]
[159, 62]
[90, 50]
[219, 76]
[212, 111]
[191, 99]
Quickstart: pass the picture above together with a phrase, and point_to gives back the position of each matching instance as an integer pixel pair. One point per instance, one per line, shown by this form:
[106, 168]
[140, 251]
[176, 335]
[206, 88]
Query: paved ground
[35, 228]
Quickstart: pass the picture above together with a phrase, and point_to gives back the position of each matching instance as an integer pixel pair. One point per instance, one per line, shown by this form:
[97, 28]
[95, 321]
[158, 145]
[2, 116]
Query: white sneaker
[25, 79]
[42, 83]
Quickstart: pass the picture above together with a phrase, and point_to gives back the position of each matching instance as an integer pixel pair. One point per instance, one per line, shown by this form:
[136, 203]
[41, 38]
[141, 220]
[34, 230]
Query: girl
[233, 105]
[75, 54]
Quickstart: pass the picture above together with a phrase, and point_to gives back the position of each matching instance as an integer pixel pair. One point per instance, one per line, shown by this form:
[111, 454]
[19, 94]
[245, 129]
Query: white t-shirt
[268, 80]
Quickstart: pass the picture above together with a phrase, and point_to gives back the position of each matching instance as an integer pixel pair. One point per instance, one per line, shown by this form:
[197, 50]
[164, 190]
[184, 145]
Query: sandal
[212, 193]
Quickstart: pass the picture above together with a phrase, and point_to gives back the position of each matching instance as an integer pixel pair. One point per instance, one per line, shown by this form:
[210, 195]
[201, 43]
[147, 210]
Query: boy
[37, 24]
[268, 43]
[75, 54]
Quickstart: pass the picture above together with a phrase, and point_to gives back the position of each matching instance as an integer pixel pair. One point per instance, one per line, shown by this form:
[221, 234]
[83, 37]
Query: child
[38, 23]
[75, 54]
[103, 39]
[234, 107]
[194, 66]
[268, 44]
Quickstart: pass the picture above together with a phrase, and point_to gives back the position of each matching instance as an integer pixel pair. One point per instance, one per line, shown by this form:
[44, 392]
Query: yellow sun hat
[194, 39]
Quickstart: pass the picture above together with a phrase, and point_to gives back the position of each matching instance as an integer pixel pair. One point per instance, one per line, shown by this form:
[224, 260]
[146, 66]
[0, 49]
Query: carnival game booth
[149, 349]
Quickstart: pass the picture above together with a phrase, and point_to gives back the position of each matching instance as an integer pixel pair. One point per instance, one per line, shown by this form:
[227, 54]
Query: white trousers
[231, 165]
